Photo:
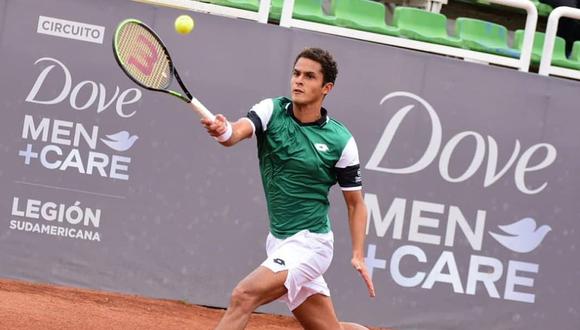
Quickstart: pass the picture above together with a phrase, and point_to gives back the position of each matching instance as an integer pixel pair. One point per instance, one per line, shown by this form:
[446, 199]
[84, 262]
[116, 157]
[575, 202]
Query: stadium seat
[307, 10]
[422, 25]
[559, 55]
[364, 15]
[483, 36]
[575, 55]
[252, 5]
[276, 10]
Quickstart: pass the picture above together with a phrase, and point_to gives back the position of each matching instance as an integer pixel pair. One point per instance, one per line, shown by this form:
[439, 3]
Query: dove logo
[523, 236]
[121, 141]
[484, 159]
[80, 96]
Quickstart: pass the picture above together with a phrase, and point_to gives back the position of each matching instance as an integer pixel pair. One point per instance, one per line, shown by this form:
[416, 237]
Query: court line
[70, 189]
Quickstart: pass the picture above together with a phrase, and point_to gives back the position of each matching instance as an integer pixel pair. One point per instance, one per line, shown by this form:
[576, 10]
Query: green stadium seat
[575, 55]
[276, 9]
[252, 5]
[307, 10]
[559, 55]
[364, 15]
[422, 25]
[483, 36]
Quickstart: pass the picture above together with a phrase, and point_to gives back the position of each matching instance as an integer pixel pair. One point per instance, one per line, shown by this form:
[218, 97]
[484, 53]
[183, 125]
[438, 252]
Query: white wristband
[227, 134]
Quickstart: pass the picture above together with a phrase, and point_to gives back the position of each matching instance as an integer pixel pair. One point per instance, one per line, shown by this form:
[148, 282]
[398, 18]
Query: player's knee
[243, 300]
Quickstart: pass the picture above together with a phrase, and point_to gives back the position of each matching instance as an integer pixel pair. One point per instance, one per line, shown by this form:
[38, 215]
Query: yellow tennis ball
[184, 24]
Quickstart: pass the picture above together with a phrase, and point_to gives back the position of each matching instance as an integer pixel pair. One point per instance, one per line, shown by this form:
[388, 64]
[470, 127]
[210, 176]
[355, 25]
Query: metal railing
[522, 63]
[546, 67]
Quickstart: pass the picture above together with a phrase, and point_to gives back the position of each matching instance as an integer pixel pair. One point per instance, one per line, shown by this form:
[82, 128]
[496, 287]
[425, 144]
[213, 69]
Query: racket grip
[201, 109]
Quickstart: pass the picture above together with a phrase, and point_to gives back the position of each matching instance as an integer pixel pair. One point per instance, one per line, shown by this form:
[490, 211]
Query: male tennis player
[302, 153]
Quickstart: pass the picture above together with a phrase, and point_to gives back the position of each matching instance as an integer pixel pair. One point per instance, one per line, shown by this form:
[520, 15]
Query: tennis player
[302, 153]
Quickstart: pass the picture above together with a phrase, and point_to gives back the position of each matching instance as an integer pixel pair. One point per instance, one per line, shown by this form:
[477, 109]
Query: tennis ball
[184, 24]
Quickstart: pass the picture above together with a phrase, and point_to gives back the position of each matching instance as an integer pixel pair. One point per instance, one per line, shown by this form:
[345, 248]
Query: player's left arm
[357, 220]
[349, 179]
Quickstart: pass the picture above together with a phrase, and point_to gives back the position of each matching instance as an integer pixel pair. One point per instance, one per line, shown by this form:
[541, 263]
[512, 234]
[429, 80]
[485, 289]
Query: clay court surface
[31, 306]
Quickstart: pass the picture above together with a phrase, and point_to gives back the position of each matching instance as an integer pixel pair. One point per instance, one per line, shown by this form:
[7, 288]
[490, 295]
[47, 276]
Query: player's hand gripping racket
[145, 59]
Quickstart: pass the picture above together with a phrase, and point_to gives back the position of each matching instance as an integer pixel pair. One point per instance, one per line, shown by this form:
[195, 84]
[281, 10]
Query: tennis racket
[144, 58]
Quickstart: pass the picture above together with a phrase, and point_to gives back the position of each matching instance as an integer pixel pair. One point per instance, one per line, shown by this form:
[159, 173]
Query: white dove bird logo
[121, 141]
[523, 236]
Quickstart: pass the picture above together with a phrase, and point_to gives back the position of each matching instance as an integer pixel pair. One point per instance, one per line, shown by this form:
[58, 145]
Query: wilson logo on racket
[149, 57]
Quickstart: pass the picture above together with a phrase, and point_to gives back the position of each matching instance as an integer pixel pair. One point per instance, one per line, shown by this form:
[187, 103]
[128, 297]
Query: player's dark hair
[329, 68]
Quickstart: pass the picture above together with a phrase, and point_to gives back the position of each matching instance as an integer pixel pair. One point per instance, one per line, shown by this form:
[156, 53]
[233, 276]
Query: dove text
[77, 94]
[524, 169]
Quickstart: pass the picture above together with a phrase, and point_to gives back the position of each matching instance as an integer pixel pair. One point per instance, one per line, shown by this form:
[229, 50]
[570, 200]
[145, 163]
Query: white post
[264, 11]
[549, 41]
[435, 5]
[287, 9]
[530, 29]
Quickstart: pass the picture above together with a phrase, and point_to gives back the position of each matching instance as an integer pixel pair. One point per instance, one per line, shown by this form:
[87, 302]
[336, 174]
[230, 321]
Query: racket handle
[201, 109]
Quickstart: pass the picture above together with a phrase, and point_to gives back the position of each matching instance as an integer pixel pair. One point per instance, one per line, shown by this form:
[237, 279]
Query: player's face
[307, 82]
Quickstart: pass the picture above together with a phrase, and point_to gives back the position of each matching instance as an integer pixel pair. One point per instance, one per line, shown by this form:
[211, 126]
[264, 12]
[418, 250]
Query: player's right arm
[240, 130]
[228, 133]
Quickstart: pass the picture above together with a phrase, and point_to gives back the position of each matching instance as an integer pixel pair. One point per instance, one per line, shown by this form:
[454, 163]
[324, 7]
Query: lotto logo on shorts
[70, 29]
[279, 262]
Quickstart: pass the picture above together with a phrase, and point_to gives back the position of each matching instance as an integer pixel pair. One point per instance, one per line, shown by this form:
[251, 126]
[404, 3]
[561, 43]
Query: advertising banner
[469, 171]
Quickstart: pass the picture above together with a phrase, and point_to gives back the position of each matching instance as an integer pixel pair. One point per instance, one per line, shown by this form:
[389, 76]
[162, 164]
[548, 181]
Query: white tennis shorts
[306, 256]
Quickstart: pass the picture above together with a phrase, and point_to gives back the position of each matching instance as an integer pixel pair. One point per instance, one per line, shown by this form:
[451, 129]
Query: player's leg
[317, 313]
[258, 288]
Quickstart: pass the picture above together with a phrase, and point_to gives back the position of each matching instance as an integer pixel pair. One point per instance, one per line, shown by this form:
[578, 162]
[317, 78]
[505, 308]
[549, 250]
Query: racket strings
[143, 56]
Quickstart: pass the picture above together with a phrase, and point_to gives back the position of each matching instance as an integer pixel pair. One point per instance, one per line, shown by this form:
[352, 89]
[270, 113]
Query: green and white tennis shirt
[299, 163]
